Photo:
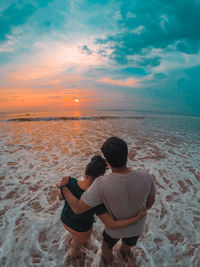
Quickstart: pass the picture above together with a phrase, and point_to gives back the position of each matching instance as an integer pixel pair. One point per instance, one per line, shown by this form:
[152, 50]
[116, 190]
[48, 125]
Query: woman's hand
[142, 213]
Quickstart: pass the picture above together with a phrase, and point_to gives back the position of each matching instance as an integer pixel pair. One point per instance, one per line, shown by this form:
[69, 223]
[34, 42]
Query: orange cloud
[52, 78]
[28, 99]
[50, 60]
[127, 82]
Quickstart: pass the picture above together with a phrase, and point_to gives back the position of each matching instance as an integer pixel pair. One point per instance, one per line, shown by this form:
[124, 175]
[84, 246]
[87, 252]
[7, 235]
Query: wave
[74, 118]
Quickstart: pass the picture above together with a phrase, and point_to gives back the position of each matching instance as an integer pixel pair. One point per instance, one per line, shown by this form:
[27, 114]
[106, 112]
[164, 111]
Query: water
[34, 155]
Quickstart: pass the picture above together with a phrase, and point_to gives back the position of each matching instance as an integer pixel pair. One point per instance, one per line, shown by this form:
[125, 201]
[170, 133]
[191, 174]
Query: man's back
[124, 195]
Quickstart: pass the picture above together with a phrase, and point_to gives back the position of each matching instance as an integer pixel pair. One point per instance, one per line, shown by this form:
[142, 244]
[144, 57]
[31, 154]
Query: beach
[35, 154]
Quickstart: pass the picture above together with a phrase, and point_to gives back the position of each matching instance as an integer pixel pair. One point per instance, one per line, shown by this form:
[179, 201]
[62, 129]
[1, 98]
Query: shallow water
[34, 155]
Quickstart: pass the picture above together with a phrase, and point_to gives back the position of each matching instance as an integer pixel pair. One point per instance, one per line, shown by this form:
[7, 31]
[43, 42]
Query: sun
[76, 100]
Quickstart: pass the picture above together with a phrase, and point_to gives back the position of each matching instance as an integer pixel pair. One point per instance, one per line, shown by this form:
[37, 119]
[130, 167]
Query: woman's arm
[109, 222]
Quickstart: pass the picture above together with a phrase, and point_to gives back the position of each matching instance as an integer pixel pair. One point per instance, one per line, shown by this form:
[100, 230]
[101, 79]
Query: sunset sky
[142, 55]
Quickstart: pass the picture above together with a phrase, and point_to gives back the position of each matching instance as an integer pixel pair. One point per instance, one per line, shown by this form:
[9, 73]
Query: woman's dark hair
[96, 167]
[115, 150]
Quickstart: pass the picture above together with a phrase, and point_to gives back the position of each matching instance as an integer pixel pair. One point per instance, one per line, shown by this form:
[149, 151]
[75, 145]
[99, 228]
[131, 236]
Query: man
[124, 192]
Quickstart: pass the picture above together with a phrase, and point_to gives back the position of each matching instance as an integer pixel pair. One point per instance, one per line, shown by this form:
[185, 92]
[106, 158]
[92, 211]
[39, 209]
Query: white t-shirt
[124, 195]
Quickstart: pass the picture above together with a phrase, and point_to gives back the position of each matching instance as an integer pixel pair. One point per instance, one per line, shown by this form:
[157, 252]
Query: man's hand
[142, 213]
[78, 206]
[58, 185]
[60, 197]
[65, 180]
[150, 201]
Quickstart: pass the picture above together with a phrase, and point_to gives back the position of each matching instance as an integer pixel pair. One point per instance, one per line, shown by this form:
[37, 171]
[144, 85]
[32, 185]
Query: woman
[80, 226]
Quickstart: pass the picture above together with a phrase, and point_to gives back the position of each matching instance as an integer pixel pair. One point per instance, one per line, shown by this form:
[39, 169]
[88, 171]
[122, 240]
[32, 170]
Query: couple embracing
[120, 199]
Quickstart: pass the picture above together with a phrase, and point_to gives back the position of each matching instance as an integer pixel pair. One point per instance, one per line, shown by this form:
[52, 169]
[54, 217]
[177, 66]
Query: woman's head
[96, 167]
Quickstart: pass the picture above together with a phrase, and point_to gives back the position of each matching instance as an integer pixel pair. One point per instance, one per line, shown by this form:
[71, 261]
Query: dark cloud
[98, 2]
[14, 16]
[102, 52]
[189, 87]
[86, 50]
[152, 61]
[39, 15]
[176, 92]
[155, 24]
[51, 16]
[133, 71]
[160, 76]
[189, 46]
[43, 3]
[116, 72]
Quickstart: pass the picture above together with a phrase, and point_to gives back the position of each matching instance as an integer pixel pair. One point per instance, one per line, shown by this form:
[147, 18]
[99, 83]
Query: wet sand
[34, 155]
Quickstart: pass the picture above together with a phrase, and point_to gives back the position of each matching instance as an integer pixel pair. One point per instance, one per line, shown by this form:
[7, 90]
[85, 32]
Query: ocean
[38, 148]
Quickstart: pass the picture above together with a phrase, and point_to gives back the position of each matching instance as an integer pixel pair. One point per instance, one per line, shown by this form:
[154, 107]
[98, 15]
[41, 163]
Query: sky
[140, 55]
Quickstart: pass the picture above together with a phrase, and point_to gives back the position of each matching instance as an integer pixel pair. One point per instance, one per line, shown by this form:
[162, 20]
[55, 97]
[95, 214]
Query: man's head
[115, 151]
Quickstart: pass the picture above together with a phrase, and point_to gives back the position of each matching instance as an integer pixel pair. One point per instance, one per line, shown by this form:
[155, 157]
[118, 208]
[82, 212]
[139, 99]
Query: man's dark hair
[115, 150]
[96, 167]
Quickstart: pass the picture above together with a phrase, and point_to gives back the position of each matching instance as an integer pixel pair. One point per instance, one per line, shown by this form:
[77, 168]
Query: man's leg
[126, 245]
[125, 250]
[106, 253]
[107, 246]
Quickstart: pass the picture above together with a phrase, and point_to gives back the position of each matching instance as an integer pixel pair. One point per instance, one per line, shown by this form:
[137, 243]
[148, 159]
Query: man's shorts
[129, 241]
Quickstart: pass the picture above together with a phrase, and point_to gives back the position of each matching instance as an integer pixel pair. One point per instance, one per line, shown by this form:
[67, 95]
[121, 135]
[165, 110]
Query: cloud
[51, 61]
[177, 92]
[102, 48]
[152, 61]
[124, 83]
[84, 48]
[169, 25]
[14, 16]
[42, 3]
[5, 57]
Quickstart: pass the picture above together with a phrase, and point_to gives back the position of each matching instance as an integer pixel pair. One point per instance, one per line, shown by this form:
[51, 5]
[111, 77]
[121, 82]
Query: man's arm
[110, 223]
[60, 197]
[150, 201]
[77, 205]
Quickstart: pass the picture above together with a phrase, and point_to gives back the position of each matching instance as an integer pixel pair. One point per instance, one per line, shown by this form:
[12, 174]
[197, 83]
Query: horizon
[78, 111]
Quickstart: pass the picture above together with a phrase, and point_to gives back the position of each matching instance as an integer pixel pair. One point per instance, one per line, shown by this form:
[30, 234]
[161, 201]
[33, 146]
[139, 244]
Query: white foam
[35, 155]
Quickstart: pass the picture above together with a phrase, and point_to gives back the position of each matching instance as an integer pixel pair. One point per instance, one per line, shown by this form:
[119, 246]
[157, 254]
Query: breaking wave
[74, 118]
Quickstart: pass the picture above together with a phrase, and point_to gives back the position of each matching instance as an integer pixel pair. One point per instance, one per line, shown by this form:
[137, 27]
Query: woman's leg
[75, 250]
[78, 240]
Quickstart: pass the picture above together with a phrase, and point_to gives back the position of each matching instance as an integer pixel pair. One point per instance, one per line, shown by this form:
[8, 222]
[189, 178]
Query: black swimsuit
[81, 222]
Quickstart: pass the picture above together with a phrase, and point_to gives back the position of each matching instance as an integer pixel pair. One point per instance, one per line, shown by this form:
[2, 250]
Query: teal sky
[109, 54]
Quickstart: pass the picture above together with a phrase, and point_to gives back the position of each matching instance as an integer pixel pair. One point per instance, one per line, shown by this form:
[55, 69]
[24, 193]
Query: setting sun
[76, 100]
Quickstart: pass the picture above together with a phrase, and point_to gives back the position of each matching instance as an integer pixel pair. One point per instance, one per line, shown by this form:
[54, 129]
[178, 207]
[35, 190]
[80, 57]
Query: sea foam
[35, 155]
